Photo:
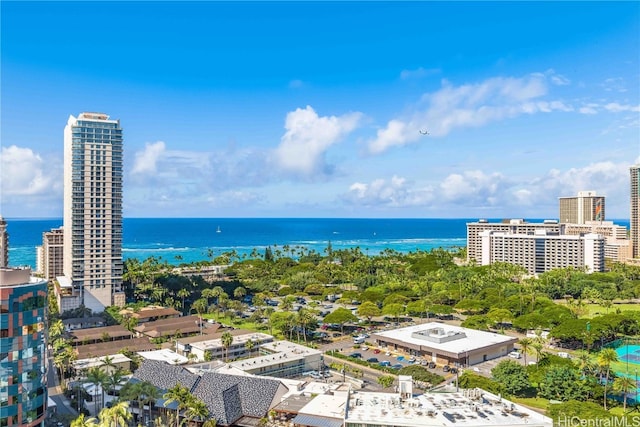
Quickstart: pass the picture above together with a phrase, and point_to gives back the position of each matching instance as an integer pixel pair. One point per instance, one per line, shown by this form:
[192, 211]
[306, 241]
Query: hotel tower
[635, 214]
[92, 212]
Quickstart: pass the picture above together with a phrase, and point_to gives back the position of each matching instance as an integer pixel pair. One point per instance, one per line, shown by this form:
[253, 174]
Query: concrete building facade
[4, 243]
[511, 226]
[586, 206]
[446, 344]
[93, 210]
[23, 361]
[51, 254]
[634, 172]
[543, 252]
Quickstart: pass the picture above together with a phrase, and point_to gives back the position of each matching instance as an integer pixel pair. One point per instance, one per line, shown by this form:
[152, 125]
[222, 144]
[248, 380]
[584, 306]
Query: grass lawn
[532, 402]
[593, 310]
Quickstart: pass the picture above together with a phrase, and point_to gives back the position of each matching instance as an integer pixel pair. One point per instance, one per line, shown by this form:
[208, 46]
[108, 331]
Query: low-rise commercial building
[282, 359]
[446, 344]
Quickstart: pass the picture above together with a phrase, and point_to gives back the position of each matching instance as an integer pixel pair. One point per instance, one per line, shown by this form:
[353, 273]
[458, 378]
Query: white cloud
[395, 192]
[614, 84]
[472, 186]
[469, 105]
[418, 73]
[145, 161]
[24, 173]
[308, 136]
[615, 107]
[296, 84]
[471, 193]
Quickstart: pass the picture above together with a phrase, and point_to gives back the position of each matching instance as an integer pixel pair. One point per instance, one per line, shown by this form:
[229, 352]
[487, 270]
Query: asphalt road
[63, 408]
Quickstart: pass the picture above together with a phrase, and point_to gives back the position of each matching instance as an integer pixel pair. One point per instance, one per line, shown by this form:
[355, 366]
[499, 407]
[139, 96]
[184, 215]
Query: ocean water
[178, 240]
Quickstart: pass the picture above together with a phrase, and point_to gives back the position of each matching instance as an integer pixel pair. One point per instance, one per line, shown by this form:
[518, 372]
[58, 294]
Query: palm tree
[81, 421]
[116, 416]
[196, 409]
[250, 344]
[239, 292]
[183, 293]
[227, 340]
[605, 358]
[150, 395]
[98, 378]
[133, 392]
[624, 385]
[525, 345]
[114, 379]
[55, 330]
[107, 363]
[178, 394]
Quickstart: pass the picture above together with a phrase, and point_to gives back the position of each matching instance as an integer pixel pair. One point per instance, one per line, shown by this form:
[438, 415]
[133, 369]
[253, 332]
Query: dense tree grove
[427, 284]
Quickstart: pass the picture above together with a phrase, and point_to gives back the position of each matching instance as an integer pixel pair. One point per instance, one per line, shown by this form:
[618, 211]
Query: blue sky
[301, 109]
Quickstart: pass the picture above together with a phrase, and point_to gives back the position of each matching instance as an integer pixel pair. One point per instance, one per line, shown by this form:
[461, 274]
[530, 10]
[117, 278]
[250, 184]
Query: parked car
[446, 368]
[376, 351]
[372, 360]
[336, 334]
[356, 355]
[515, 354]
[397, 366]
[400, 358]
[432, 365]
[412, 359]
[316, 376]
[454, 370]
[385, 363]
[388, 353]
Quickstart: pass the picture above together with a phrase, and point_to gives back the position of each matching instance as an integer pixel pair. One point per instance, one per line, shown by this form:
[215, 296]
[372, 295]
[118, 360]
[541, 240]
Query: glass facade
[23, 373]
[93, 208]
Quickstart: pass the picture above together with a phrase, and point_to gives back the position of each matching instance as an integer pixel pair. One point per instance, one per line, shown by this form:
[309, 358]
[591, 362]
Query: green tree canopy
[513, 376]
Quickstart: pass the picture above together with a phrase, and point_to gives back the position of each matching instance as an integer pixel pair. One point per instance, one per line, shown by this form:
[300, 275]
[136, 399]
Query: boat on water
[218, 230]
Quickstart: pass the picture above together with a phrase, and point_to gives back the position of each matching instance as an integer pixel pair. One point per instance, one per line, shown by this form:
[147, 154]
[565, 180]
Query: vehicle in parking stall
[564, 355]
[397, 366]
[316, 376]
[515, 354]
[358, 340]
[432, 365]
[400, 358]
[446, 368]
[373, 360]
[376, 351]
[411, 359]
[364, 348]
[384, 363]
[308, 373]
[356, 355]
[388, 353]
[336, 334]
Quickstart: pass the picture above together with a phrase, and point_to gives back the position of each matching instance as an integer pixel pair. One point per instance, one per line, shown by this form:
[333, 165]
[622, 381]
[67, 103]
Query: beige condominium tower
[92, 212]
[635, 214]
[585, 207]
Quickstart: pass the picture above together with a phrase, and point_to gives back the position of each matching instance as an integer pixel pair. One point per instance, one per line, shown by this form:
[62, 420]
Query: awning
[316, 421]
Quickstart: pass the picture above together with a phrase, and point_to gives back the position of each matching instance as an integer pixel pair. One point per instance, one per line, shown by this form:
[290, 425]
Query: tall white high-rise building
[4, 243]
[93, 210]
[634, 225]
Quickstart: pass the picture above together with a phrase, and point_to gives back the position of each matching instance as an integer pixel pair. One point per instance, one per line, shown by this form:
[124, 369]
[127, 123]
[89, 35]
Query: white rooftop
[237, 339]
[164, 355]
[327, 405]
[280, 351]
[93, 362]
[441, 336]
[468, 408]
